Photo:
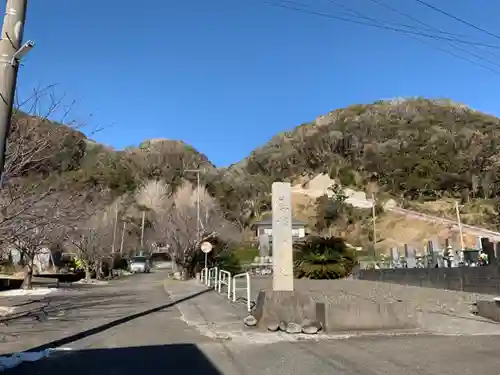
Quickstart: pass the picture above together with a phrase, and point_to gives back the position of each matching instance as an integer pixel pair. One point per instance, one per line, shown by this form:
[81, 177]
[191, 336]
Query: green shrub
[245, 254]
[323, 258]
[228, 261]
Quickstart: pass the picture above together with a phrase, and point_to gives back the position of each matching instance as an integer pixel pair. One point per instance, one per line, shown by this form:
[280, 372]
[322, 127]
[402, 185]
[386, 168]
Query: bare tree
[93, 242]
[35, 204]
[176, 215]
[32, 241]
[155, 197]
[182, 236]
[44, 221]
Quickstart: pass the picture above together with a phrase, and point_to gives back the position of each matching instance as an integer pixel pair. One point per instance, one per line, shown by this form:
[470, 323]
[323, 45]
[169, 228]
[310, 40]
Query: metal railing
[225, 279]
[246, 277]
[204, 276]
[213, 276]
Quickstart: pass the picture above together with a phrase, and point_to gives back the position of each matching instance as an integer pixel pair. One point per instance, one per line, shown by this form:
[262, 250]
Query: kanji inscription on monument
[282, 237]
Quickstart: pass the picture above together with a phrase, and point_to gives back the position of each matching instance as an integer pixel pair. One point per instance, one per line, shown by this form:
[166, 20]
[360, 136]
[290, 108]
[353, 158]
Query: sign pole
[206, 247]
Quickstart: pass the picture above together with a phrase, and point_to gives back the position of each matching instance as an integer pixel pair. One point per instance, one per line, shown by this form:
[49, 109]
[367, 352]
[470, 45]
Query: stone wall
[484, 280]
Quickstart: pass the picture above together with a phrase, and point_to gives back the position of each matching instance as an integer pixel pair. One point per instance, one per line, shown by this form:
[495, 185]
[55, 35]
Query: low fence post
[245, 275]
[212, 273]
[225, 279]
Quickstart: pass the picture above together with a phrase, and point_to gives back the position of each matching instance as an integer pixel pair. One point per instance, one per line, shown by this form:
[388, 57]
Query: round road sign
[206, 247]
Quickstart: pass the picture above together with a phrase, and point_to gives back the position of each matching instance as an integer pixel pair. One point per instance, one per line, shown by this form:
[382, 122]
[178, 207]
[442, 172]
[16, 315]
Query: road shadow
[53, 304]
[83, 334]
[157, 359]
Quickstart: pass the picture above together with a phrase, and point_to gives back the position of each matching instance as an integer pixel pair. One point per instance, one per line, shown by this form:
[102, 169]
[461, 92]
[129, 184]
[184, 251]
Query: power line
[457, 18]
[399, 24]
[410, 34]
[379, 25]
[384, 5]
[336, 2]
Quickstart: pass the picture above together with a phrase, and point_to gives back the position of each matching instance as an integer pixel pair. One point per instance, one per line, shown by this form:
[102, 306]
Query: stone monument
[282, 237]
[281, 303]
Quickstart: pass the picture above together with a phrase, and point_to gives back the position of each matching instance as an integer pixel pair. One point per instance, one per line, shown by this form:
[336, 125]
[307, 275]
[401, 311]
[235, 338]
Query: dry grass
[303, 207]
[476, 212]
[396, 230]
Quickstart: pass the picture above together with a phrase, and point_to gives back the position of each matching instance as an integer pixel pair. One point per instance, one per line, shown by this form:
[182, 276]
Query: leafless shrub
[176, 218]
[36, 206]
[93, 241]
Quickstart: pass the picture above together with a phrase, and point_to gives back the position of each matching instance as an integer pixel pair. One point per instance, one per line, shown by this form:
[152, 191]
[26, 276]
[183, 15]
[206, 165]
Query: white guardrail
[225, 279]
[213, 277]
[246, 277]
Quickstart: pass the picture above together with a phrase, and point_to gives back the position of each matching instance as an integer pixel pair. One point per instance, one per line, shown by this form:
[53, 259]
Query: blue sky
[227, 75]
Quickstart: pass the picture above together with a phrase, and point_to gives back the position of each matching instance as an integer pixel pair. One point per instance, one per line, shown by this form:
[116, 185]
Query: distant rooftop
[267, 219]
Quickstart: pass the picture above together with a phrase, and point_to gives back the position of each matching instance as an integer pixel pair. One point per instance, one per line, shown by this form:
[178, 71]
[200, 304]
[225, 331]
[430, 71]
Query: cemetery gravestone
[395, 257]
[489, 250]
[479, 243]
[411, 260]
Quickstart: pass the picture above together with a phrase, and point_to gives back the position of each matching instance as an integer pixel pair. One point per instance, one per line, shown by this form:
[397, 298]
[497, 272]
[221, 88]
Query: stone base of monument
[357, 314]
[273, 307]
[489, 309]
[334, 314]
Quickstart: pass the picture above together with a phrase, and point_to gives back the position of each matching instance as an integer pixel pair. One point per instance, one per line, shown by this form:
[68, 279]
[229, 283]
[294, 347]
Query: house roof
[267, 219]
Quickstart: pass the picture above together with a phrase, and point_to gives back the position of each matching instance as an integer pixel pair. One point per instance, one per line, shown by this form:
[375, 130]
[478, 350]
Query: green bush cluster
[323, 258]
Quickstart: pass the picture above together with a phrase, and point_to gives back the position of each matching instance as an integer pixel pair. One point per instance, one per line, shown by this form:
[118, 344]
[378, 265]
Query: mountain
[39, 149]
[413, 148]
[419, 153]
[422, 153]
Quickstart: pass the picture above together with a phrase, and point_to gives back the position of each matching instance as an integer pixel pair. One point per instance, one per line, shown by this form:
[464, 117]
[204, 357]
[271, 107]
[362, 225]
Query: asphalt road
[142, 331]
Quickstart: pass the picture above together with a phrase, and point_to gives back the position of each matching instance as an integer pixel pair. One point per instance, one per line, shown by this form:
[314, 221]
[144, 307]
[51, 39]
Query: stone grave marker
[488, 248]
[411, 259]
[440, 261]
[479, 243]
[395, 257]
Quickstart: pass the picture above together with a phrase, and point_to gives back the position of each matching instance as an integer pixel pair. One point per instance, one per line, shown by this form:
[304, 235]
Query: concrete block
[489, 310]
[338, 315]
[287, 306]
[366, 315]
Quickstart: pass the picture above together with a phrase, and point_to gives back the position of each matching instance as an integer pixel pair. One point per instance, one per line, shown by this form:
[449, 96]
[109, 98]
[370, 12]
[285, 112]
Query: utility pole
[374, 217]
[114, 229]
[197, 171]
[11, 52]
[457, 209]
[142, 228]
[123, 237]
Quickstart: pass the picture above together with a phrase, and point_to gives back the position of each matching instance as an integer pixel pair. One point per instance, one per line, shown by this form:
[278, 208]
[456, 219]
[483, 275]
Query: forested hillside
[417, 150]
[422, 153]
